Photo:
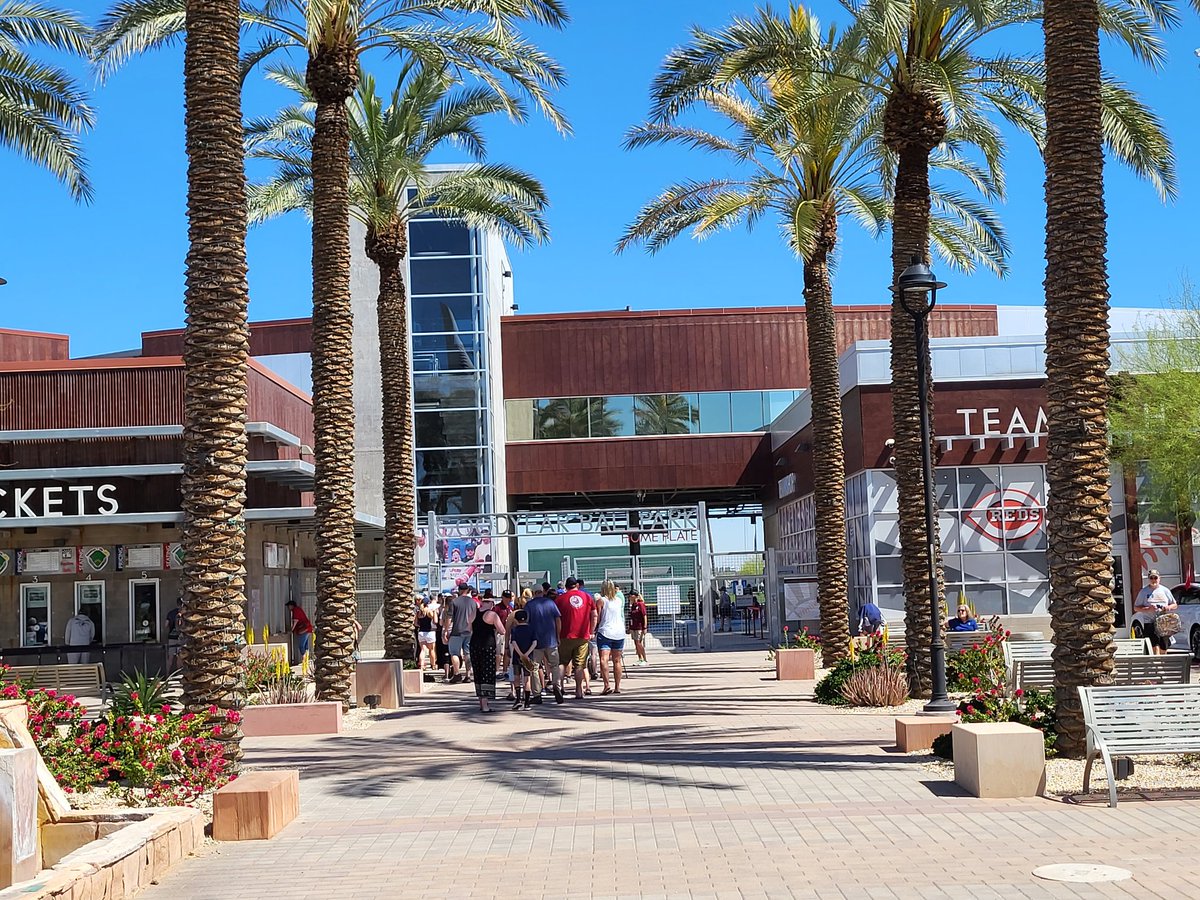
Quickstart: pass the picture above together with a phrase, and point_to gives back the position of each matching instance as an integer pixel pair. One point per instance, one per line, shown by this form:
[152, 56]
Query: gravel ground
[1064, 777]
[361, 718]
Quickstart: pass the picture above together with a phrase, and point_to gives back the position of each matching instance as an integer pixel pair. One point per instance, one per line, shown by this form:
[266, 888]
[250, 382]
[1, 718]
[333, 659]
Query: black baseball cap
[506, 593]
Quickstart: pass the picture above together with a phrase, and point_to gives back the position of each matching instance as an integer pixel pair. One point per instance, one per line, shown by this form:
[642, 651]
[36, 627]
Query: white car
[1188, 598]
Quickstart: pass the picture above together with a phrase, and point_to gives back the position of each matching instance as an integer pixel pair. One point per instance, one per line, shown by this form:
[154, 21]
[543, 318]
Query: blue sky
[105, 273]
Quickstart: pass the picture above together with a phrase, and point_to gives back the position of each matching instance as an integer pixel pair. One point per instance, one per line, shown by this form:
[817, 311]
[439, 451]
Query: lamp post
[917, 288]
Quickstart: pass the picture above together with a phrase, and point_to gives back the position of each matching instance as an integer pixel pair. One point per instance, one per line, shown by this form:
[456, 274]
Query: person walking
[484, 629]
[726, 609]
[578, 612]
[456, 625]
[426, 637]
[80, 632]
[523, 643]
[610, 634]
[1152, 601]
[302, 629]
[637, 626]
[546, 622]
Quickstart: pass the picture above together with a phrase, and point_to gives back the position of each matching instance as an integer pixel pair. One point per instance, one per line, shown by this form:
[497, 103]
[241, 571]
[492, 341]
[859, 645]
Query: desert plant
[829, 690]
[878, 685]
[288, 689]
[139, 694]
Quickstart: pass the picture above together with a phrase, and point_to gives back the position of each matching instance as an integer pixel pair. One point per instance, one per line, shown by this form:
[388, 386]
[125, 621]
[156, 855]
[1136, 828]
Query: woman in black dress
[484, 629]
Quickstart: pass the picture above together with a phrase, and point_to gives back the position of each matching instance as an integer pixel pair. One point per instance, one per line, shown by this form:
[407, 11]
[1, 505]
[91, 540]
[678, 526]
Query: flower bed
[157, 757]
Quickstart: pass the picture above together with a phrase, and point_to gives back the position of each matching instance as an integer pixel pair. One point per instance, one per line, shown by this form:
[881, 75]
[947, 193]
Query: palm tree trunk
[829, 468]
[388, 247]
[216, 348]
[1077, 469]
[913, 126]
[332, 75]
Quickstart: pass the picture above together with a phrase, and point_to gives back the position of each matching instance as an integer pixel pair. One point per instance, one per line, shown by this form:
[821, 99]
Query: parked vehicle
[1188, 598]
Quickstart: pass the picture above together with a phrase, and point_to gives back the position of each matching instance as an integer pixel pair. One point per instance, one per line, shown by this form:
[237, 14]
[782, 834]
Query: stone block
[382, 677]
[271, 720]
[414, 681]
[256, 806]
[20, 855]
[918, 732]
[14, 732]
[796, 664]
[999, 759]
[60, 839]
[107, 828]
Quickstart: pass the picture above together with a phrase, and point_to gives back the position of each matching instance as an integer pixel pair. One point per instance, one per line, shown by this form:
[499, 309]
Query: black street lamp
[918, 287]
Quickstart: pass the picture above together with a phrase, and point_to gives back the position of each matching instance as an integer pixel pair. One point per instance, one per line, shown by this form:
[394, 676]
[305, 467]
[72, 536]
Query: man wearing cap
[579, 615]
[1151, 600]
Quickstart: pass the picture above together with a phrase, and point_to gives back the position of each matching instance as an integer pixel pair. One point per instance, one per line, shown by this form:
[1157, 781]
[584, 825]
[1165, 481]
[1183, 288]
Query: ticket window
[144, 616]
[89, 600]
[35, 615]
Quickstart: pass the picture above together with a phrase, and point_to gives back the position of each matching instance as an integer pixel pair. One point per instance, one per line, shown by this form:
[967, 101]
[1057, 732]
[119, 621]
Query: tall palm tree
[42, 108]
[216, 346]
[664, 414]
[474, 36]
[390, 146]
[816, 156]
[942, 88]
[563, 417]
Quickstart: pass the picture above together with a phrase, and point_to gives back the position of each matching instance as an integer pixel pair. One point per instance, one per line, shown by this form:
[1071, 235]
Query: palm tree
[216, 347]
[42, 109]
[816, 156]
[473, 37]
[563, 417]
[390, 146]
[664, 414]
[940, 90]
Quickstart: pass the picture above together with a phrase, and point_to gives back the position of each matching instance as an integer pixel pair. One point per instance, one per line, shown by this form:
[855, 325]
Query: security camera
[889, 443]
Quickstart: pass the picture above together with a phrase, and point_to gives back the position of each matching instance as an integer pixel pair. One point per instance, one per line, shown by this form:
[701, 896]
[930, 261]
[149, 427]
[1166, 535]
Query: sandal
[606, 691]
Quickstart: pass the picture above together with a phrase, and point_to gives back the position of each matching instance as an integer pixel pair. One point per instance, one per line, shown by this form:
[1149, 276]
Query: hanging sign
[57, 500]
[93, 559]
[54, 561]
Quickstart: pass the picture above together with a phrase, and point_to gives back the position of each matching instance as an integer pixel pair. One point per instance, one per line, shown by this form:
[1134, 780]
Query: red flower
[971, 710]
[1018, 693]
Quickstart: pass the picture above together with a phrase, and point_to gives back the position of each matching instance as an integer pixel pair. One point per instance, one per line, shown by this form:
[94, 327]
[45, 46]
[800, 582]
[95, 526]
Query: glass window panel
[891, 599]
[441, 467]
[977, 484]
[441, 276]
[447, 391]
[450, 501]
[988, 599]
[889, 570]
[747, 410]
[611, 416]
[776, 403]
[715, 413]
[518, 420]
[439, 239]
[1029, 480]
[446, 352]
[885, 532]
[1029, 534]
[948, 532]
[987, 567]
[666, 414]
[449, 429]
[882, 496]
[1027, 566]
[952, 571]
[1029, 599]
[452, 315]
[976, 534]
[562, 417]
[945, 490]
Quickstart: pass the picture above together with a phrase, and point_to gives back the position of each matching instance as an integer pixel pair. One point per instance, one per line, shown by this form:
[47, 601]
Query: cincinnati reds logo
[1010, 513]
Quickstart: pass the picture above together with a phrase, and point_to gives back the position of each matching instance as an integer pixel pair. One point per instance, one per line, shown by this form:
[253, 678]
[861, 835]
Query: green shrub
[830, 689]
[1035, 709]
[139, 694]
[980, 667]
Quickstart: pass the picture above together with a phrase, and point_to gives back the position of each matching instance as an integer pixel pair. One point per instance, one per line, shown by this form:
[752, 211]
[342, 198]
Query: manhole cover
[1081, 873]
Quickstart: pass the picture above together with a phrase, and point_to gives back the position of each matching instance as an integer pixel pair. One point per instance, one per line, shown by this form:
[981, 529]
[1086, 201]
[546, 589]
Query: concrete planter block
[20, 856]
[795, 665]
[413, 681]
[273, 720]
[256, 806]
[382, 677]
[999, 759]
[60, 839]
[918, 732]
[14, 732]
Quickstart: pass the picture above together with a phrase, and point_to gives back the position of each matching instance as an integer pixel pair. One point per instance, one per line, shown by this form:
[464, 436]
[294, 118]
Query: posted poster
[800, 601]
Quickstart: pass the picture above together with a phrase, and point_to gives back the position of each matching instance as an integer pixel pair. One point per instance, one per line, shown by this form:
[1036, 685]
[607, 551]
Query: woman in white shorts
[426, 635]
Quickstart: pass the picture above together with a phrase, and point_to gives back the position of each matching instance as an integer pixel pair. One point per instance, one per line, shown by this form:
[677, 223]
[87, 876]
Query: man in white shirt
[81, 631]
[1151, 600]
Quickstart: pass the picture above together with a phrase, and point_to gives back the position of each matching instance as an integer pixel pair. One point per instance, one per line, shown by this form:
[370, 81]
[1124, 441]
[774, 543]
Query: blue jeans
[302, 642]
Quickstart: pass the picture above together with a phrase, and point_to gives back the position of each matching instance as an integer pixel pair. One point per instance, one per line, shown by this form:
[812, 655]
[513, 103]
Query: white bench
[1138, 720]
[1174, 668]
[1014, 650]
[86, 679]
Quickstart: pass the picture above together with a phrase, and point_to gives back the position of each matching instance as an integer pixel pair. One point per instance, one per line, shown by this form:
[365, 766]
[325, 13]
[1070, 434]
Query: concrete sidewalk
[704, 778]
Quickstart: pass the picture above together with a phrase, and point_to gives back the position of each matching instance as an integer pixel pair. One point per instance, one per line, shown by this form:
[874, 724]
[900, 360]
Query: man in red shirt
[578, 612]
[301, 628]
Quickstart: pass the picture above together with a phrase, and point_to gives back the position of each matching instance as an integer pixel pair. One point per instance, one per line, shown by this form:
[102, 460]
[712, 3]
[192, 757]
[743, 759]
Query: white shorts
[427, 637]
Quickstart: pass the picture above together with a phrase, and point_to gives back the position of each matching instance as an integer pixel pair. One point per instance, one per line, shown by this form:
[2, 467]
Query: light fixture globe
[918, 287]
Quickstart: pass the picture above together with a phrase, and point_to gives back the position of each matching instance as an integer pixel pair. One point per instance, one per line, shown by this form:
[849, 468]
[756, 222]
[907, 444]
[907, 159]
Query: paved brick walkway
[706, 778]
